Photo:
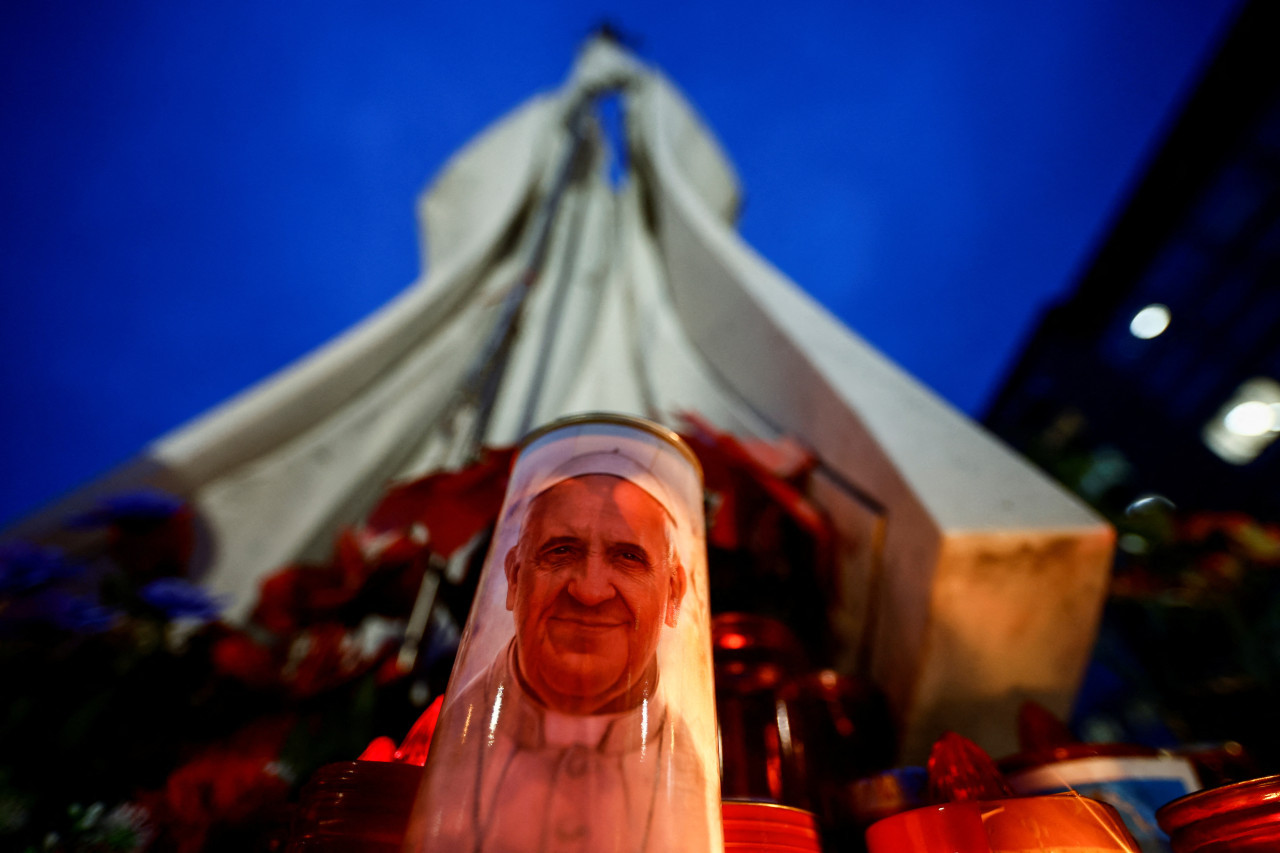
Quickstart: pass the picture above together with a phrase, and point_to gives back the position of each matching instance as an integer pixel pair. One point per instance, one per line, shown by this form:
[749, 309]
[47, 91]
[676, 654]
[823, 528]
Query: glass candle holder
[1060, 822]
[1239, 818]
[580, 713]
[754, 827]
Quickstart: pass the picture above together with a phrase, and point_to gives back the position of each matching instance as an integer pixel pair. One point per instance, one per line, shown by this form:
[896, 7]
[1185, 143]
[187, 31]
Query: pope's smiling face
[591, 581]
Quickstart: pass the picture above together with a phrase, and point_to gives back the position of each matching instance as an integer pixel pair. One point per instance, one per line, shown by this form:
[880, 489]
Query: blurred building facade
[1160, 374]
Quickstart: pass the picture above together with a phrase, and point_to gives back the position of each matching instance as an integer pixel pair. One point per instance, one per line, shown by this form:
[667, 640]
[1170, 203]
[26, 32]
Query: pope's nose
[591, 584]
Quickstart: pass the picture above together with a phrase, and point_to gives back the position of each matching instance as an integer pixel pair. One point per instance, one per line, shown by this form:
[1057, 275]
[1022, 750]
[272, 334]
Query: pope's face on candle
[591, 581]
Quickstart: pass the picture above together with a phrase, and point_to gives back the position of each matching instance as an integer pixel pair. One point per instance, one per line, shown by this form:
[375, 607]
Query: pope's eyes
[559, 552]
[633, 559]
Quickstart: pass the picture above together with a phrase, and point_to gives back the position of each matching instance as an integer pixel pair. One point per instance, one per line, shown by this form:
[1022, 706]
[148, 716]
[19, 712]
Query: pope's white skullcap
[631, 449]
[614, 464]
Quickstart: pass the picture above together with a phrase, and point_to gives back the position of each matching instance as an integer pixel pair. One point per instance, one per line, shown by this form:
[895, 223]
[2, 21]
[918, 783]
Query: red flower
[440, 511]
[326, 656]
[296, 596]
[241, 657]
[319, 658]
[435, 514]
[225, 784]
[750, 481]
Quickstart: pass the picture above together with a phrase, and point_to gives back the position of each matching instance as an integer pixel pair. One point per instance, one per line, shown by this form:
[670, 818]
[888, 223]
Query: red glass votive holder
[1015, 825]
[754, 827]
[1239, 818]
[354, 806]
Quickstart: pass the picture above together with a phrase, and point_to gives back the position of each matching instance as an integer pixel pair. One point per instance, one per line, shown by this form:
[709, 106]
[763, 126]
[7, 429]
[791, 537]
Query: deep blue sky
[195, 194]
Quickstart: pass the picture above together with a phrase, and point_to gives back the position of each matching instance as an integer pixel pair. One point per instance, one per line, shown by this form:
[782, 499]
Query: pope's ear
[675, 594]
[509, 567]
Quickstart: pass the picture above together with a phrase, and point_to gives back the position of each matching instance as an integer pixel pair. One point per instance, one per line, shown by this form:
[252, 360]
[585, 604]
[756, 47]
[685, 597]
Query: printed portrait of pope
[568, 741]
[591, 581]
